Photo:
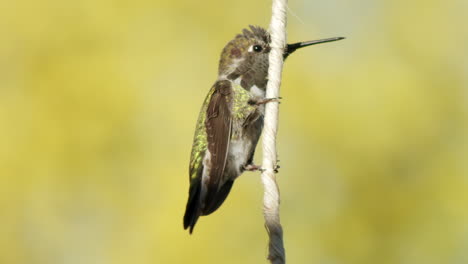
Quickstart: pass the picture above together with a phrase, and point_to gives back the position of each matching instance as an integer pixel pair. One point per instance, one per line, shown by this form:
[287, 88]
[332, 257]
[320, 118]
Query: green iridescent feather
[240, 109]
[199, 140]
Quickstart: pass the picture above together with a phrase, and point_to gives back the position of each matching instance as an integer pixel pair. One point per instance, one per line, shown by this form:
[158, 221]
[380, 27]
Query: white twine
[271, 198]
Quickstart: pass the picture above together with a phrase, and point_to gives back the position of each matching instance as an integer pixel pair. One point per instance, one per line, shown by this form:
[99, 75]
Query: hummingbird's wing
[218, 128]
[212, 135]
[194, 204]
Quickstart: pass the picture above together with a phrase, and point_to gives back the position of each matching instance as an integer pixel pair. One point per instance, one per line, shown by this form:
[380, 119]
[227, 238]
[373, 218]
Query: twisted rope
[271, 198]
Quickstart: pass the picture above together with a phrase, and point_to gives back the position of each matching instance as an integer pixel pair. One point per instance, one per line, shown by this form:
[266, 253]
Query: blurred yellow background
[98, 103]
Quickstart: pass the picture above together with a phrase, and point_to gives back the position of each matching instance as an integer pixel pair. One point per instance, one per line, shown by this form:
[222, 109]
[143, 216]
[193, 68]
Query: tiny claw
[252, 167]
[276, 168]
[266, 100]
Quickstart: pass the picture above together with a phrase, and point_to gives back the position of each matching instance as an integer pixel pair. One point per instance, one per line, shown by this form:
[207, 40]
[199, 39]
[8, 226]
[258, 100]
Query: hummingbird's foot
[259, 168]
[252, 167]
[265, 101]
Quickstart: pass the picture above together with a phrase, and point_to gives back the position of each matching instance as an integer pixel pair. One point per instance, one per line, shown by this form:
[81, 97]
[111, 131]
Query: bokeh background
[98, 102]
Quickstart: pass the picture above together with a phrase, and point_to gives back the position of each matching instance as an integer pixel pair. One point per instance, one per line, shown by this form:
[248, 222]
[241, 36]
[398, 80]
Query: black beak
[290, 48]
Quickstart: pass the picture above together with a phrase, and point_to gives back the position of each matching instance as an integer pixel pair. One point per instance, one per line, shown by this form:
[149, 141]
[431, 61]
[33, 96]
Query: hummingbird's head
[246, 56]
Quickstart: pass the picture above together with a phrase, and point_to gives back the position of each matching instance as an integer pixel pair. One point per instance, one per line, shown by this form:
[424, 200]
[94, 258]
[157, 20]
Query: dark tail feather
[218, 199]
[193, 210]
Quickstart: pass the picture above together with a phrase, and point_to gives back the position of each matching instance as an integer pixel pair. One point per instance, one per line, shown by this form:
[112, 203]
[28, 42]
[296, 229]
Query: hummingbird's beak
[290, 48]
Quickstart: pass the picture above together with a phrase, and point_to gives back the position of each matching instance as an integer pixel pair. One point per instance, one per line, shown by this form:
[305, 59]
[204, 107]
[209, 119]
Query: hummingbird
[231, 121]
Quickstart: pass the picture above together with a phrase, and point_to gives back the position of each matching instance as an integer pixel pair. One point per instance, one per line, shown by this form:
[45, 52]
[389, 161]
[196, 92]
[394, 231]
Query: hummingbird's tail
[193, 210]
[212, 204]
[194, 204]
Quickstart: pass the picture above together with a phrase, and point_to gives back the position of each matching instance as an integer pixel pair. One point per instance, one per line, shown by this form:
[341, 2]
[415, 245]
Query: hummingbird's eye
[257, 48]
